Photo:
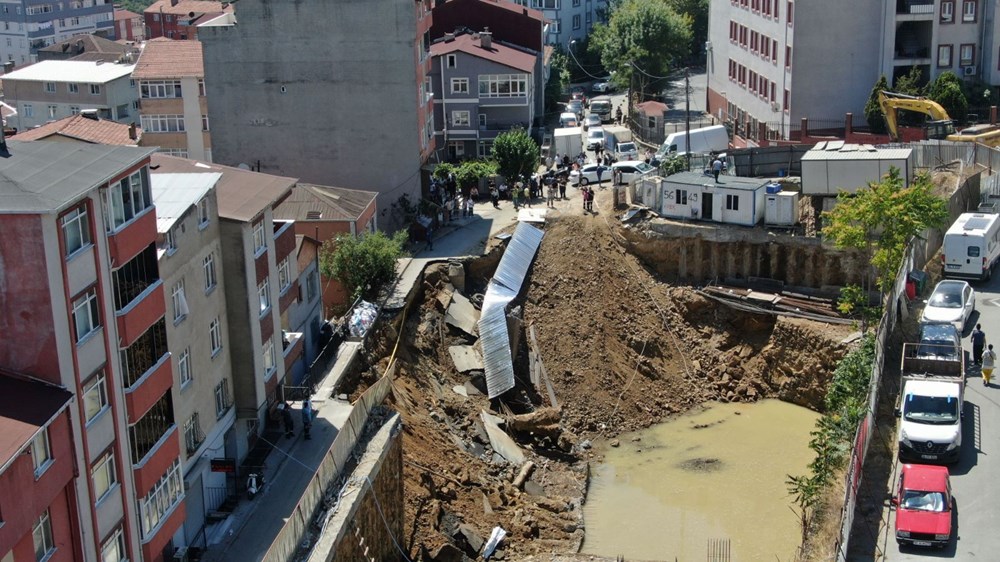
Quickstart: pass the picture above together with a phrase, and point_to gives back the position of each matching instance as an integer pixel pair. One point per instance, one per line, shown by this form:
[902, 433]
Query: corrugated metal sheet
[858, 152]
[503, 288]
[174, 194]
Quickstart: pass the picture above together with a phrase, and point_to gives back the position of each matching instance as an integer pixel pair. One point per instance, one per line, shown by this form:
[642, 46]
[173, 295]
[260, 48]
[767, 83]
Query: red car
[923, 506]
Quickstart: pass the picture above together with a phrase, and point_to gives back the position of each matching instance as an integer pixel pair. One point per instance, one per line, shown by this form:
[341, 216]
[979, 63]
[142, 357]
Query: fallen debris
[466, 358]
[500, 441]
[462, 315]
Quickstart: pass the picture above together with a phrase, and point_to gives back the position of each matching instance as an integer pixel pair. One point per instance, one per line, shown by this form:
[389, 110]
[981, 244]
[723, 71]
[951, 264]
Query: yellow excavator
[940, 126]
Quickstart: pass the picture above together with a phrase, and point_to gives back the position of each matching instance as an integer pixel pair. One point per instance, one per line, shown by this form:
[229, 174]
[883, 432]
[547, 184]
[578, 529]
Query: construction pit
[622, 351]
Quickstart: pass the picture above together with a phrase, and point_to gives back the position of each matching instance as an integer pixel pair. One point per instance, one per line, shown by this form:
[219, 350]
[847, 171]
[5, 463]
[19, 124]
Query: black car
[939, 340]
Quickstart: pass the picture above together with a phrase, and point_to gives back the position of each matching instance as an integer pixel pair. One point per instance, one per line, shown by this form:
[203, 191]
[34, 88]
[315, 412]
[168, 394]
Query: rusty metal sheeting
[503, 288]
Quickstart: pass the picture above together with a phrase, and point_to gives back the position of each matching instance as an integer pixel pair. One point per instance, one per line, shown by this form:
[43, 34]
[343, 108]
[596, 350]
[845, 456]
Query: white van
[971, 246]
[568, 119]
[703, 141]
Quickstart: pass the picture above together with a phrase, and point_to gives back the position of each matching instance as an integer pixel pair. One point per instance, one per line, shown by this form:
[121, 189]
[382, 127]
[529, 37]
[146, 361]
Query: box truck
[971, 246]
[568, 140]
[704, 140]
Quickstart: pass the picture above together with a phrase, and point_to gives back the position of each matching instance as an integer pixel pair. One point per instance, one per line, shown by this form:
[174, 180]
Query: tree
[363, 264]
[873, 111]
[911, 84]
[516, 154]
[947, 91]
[642, 41]
[882, 218]
[673, 165]
[697, 10]
[558, 83]
[471, 171]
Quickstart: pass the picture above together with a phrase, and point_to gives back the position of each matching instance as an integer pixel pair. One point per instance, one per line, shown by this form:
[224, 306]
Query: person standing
[562, 188]
[618, 115]
[495, 196]
[307, 417]
[548, 162]
[978, 342]
[600, 172]
[716, 168]
[988, 361]
[289, 421]
[527, 195]
[550, 191]
[429, 237]
[516, 195]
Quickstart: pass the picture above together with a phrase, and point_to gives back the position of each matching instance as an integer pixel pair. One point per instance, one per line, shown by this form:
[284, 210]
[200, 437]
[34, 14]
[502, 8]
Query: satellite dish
[243, 166]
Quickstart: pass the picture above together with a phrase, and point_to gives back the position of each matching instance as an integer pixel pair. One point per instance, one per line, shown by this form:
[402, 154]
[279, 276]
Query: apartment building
[37, 501]
[129, 26]
[363, 60]
[258, 257]
[54, 89]
[179, 19]
[84, 309]
[173, 109]
[568, 20]
[190, 262]
[29, 25]
[85, 127]
[305, 316]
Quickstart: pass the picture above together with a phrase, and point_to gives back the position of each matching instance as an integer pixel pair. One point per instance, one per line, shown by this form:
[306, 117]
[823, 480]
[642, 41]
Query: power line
[577, 61]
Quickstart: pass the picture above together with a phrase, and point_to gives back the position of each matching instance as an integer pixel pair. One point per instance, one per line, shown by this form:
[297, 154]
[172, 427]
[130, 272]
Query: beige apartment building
[172, 106]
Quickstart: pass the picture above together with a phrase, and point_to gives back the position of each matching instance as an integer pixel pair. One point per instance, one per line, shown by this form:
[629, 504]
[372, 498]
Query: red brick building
[178, 19]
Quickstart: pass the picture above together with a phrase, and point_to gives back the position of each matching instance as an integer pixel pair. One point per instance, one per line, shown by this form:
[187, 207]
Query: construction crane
[940, 125]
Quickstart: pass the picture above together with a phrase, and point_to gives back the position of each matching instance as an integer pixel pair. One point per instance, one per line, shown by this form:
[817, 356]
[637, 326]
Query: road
[973, 477]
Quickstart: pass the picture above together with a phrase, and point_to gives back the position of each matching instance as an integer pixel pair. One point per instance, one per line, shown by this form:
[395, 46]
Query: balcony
[292, 346]
[133, 237]
[915, 7]
[148, 389]
[284, 240]
[133, 278]
[146, 352]
[145, 436]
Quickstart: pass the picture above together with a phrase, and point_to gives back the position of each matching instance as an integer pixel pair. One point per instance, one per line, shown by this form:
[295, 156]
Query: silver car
[952, 301]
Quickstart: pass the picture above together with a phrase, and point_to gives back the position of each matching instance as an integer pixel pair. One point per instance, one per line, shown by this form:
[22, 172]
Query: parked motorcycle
[255, 484]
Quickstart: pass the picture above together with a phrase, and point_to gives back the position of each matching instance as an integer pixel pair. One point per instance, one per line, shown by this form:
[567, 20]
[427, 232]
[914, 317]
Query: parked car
[602, 87]
[576, 106]
[595, 138]
[577, 93]
[588, 174]
[939, 340]
[626, 151]
[632, 170]
[591, 120]
[923, 505]
[952, 301]
[568, 119]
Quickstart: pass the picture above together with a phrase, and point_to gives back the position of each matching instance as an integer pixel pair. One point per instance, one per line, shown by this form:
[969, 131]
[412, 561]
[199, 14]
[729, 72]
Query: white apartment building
[29, 25]
[568, 20]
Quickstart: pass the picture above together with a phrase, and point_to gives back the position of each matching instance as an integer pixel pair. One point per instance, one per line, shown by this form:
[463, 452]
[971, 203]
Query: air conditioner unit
[775, 106]
[970, 71]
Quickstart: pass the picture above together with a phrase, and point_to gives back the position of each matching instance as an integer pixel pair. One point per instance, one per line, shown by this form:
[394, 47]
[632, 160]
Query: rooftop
[498, 53]
[89, 45]
[125, 15]
[186, 7]
[840, 150]
[310, 202]
[169, 58]
[47, 176]
[26, 406]
[242, 194]
[725, 182]
[175, 194]
[83, 128]
[652, 107]
[87, 72]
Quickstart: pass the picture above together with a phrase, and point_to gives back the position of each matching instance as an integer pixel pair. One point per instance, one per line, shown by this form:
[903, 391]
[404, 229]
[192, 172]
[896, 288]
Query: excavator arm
[891, 103]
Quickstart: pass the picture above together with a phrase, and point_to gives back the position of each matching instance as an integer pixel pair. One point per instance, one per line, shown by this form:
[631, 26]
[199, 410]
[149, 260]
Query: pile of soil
[622, 350]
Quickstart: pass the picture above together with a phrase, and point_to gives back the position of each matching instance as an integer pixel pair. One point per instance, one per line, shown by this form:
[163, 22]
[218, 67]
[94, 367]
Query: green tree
[673, 165]
[516, 154]
[647, 34]
[558, 84]
[471, 171]
[912, 83]
[947, 91]
[873, 111]
[697, 10]
[443, 170]
[363, 264]
[882, 218]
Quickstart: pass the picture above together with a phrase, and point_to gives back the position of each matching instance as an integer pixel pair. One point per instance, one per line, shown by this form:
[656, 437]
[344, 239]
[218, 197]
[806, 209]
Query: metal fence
[768, 161]
[286, 543]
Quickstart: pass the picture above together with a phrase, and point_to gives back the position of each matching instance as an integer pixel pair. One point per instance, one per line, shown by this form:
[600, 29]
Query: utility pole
[687, 118]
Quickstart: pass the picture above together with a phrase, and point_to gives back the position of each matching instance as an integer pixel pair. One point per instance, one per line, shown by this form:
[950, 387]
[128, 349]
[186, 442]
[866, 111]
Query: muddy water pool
[716, 473]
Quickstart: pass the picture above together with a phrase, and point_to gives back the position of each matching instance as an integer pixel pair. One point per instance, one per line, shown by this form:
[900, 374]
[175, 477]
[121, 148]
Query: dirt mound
[622, 350]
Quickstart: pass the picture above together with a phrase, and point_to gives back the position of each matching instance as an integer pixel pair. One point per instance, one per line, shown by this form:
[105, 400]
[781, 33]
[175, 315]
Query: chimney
[486, 39]
[173, 2]
[132, 132]
[449, 37]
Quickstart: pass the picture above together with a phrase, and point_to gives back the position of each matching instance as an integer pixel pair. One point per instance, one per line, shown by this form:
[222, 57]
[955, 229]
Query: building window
[193, 437]
[162, 123]
[222, 399]
[787, 100]
[459, 118]
[284, 275]
[151, 428]
[170, 241]
[104, 476]
[484, 149]
[126, 199]
[503, 85]
[113, 549]
[86, 315]
[208, 264]
[268, 353]
[576, 21]
[184, 366]
[76, 229]
[732, 202]
[74, 110]
[312, 285]
[42, 535]
[152, 89]
[201, 88]
[259, 243]
[28, 110]
[215, 332]
[203, 215]
[50, 87]
[969, 8]
[95, 89]
[95, 396]
[947, 11]
[451, 61]
[967, 55]
[681, 197]
[460, 85]
[41, 453]
[788, 56]
[944, 56]
[145, 353]
[204, 122]
[166, 494]
[264, 296]
[179, 302]
[73, 88]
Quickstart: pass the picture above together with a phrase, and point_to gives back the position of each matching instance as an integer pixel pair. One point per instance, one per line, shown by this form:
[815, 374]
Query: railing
[215, 496]
[144, 353]
[915, 6]
[130, 280]
[144, 435]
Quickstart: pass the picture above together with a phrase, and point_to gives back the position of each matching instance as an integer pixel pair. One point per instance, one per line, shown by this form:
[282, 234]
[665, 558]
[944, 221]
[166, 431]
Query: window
[947, 11]
[774, 51]
[222, 399]
[944, 56]
[156, 17]
[732, 202]
[86, 314]
[104, 476]
[193, 437]
[203, 215]
[41, 454]
[284, 275]
[95, 89]
[451, 61]
[75, 229]
[201, 88]
[184, 366]
[153, 89]
[969, 10]
[95, 396]
[215, 332]
[208, 265]
[52, 111]
[126, 199]
[967, 55]
[459, 118]
[264, 296]
[162, 123]
[788, 56]
[681, 197]
[576, 21]
[166, 494]
[204, 122]
[113, 549]
[787, 100]
[170, 241]
[50, 87]
[503, 85]
[576, 3]
[42, 535]
[180, 306]
[460, 85]
[259, 243]
[312, 284]
[74, 110]
[29, 111]
[145, 353]
[268, 352]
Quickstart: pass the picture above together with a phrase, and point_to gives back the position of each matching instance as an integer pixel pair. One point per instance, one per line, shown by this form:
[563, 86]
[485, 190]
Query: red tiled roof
[86, 129]
[125, 15]
[512, 7]
[652, 107]
[26, 407]
[186, 7]
[169, 58]
[497, 53]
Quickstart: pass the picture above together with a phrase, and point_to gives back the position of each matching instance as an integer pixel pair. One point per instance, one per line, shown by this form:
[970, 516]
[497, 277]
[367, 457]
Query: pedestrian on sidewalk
[562, 188]
[618, 115]
[307, 417]
[289, 421]
[550, 191]
[527, 195]
[978, 342]
[583, 197]
[429, 237]
[495, 196]
[600, 172]
[516, 195]
[989, 361]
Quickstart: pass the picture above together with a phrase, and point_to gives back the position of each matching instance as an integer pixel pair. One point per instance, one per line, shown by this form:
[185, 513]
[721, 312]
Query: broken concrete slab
[462, 315]
[460, 390]
[466, 358]
[500, 441]
[472, 390]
